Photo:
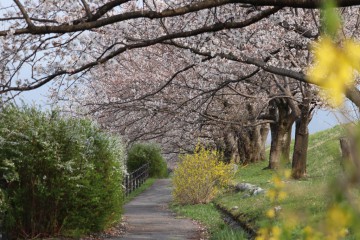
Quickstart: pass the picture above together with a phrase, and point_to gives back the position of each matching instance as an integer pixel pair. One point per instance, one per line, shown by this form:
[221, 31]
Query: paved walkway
[148, 217]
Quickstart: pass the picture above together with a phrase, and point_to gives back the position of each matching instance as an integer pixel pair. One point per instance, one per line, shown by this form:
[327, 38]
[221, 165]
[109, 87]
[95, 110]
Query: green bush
[140, 153]
[61, 176]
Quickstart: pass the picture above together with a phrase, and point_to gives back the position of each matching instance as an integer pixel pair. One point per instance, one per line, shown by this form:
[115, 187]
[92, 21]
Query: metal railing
[134, 179]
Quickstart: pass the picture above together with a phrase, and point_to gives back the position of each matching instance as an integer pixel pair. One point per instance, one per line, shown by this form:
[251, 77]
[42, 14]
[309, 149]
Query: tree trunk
[346, 149]
[300, 149]
[252, 139]
[246, 151]
[251, 144]
[264, 132]
[280, 134]
[350, 158]
[285, 149]
[231, 152]
[353, 94]
[302, 139]
[279, 144]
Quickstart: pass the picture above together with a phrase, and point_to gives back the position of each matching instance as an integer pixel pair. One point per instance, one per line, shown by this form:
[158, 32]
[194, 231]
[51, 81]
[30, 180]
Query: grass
[148, 183]
[307, 199]
[212, 219]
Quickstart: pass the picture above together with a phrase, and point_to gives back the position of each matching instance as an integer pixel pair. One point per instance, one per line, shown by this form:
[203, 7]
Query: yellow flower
[271, 194]
[338, 217]
[270, 213]
[282, 195]
[260, 237]
[309, 233]
[352, 50]
[262, 234]
[276, 232]
[278, 182]
[334, 67]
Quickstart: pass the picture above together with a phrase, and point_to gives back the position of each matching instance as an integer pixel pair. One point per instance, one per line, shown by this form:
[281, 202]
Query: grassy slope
[308, 197]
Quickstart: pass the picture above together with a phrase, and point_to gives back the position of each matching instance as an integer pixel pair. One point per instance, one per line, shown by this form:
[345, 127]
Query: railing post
[136, 178]
[129, 184]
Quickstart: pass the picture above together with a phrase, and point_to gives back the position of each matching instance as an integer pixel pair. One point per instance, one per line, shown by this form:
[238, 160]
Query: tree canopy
[53, 40]
[176, 71]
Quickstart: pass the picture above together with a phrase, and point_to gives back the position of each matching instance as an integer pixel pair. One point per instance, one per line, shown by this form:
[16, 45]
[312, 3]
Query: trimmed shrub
[141, 153]
[200, 176]
[60, 176]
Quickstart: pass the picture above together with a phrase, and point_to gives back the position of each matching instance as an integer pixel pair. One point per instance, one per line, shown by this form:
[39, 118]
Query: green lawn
[307, 198]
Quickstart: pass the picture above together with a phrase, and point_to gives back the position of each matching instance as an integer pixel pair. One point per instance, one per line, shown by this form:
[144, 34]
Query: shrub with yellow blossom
[200, 176]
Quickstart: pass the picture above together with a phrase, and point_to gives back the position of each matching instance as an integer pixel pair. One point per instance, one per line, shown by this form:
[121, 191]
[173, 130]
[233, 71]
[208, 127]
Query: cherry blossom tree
[60, 40]
[196, 103]
[170, 61]
[291, 32]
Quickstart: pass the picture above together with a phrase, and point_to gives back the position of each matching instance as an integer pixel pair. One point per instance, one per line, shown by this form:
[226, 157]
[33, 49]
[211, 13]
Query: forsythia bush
[200, 176]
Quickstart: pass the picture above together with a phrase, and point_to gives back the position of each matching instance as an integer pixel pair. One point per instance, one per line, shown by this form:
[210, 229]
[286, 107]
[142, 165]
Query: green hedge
[59, 175]
[142, 153]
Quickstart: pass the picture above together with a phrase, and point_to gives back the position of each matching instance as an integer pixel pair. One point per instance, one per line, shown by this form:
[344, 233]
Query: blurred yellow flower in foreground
[334, 67]
[270, 213]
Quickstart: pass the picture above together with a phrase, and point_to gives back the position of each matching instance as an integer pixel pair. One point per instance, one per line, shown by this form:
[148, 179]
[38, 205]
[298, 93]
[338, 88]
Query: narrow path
[148, 216]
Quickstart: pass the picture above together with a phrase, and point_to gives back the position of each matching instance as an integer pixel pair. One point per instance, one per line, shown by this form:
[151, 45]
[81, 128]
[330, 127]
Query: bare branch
[87, 9]
[101, 11]
[65, 28]
[24, 13]
[31, 18]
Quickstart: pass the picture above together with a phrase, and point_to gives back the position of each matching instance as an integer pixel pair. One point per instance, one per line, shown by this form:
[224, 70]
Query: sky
[324, 119]
[36, 97]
